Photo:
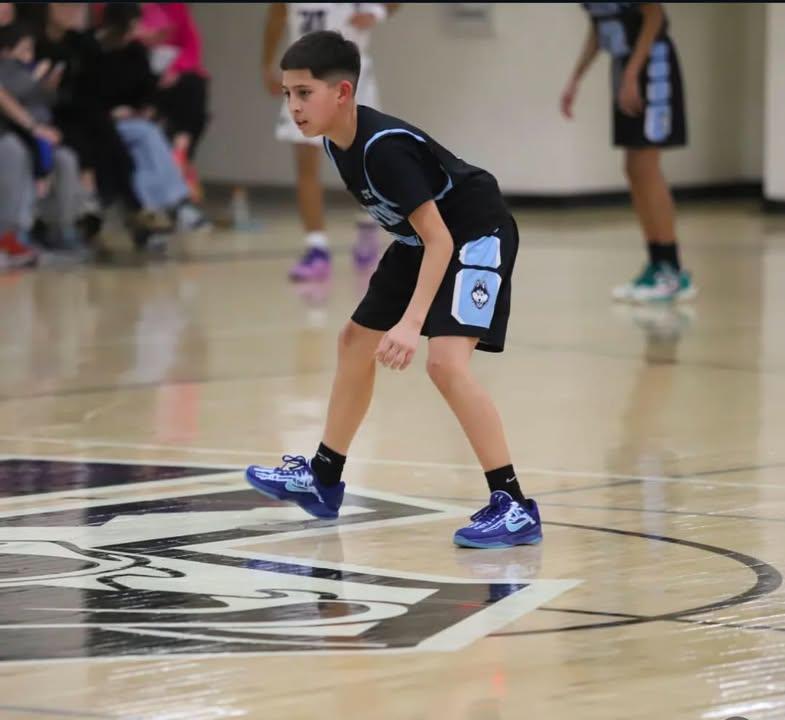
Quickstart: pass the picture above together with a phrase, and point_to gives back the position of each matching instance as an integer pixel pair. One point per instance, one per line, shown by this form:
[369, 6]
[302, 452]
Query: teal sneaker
[626, 292]
[687, 290]
[656, 283]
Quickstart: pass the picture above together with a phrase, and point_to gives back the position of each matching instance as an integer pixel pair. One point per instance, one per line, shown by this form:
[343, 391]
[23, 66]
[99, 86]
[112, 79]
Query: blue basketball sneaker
[295, 482]
[502, 523]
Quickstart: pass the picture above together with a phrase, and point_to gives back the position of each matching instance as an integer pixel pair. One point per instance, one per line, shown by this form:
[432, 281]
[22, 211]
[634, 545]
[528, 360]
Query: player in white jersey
[355, 22]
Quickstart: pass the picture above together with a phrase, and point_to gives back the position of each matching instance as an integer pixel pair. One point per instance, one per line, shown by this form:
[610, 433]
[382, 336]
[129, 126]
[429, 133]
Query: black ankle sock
[664, 253]
[669, 253]
[327, 465]
[653, 248]
[504, 478]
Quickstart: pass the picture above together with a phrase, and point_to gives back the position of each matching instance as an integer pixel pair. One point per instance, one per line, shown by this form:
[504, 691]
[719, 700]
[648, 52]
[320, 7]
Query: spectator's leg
[157, 182]
[184, 106]
[60, 209]
[17, 187]
[17, 199]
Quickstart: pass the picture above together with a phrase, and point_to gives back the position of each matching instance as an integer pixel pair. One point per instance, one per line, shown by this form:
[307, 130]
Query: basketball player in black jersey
[648, 115]
[446, 275]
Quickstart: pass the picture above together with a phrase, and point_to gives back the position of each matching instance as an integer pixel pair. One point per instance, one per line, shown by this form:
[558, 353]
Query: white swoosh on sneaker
[293, 487]
[514, 526]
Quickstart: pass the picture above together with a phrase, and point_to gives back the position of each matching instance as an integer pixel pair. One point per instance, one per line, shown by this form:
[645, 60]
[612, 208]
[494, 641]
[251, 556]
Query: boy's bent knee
[356, 339]
[448, 359]
[443, 370]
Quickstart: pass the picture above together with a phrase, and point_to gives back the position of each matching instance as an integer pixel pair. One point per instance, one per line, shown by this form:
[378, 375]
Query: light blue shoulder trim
[326, 142]
[397, 131]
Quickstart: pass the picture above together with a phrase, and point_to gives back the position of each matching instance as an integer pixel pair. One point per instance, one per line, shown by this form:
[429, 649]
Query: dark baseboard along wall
[745, 190]
[748, 190]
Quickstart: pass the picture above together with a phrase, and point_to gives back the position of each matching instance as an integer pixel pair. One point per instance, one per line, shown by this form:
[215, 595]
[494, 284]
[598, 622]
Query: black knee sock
[504, 478]
[327, 465]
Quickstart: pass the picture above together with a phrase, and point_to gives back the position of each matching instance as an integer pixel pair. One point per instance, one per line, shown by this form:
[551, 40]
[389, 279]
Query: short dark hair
[11, 35]
[326, 54]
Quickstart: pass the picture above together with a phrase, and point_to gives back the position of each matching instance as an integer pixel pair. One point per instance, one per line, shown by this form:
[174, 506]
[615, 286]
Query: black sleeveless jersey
[392, 167]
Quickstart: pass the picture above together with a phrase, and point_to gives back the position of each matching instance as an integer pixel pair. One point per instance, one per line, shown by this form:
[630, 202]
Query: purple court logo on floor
[181, 569]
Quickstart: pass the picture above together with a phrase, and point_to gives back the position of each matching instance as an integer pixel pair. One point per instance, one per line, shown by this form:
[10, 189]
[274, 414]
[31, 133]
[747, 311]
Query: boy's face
[313, 103]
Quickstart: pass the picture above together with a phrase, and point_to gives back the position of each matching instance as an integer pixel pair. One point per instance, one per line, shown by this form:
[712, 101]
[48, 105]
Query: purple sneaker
[503, 522]
[313, 265]
[366, 249]
[295, 482]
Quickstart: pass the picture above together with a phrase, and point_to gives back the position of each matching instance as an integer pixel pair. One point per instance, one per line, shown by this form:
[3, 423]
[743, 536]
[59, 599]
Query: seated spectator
[25, 115]
[33, 86]
[107, 168]
[12, 252]
[175, 47]
[17, 196]
[123, 83]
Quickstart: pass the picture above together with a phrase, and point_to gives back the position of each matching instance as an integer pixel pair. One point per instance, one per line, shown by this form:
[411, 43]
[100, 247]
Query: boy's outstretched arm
[398, 345]
[591, 48]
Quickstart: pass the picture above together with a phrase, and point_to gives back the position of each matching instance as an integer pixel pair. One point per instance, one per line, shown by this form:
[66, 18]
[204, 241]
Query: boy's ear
[345, 91]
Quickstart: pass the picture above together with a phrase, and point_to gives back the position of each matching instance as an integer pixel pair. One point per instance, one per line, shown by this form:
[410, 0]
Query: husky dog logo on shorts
[480, 294]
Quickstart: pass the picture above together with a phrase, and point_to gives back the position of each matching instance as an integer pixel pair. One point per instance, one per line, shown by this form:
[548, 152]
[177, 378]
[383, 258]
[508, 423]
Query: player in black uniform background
[648, 115]
[447, 276]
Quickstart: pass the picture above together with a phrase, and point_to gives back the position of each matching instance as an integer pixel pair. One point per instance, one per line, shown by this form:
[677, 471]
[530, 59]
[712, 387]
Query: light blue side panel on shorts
[474, 296]
[485, 252]
[659, 69]
[658, 121]
[658, 92]
[659, 51]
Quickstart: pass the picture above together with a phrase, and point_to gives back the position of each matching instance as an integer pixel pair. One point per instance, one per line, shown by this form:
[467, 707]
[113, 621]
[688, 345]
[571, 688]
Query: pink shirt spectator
[171, 32]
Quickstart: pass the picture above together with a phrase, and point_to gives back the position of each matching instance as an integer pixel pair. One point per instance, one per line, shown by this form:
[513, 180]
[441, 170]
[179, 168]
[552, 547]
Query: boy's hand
[568, 98]
[629, 99]
[397, 347]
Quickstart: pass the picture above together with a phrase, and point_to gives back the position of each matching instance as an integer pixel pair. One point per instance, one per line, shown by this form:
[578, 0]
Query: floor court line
[74, 502]
[689, 621]
[52, 712]
[383, 462]
[687, 513]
